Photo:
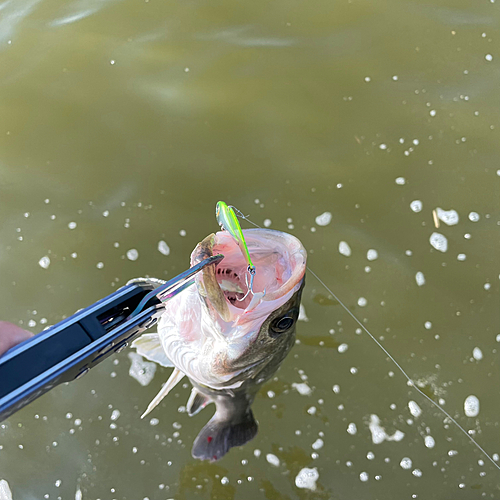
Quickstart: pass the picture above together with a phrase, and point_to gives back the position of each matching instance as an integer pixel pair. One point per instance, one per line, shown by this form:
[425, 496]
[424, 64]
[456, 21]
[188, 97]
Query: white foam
[400, 181]
[318, 444]
[372, 254]
[324, 219]
[406, 463]
[345, 249]
[352, 429]
[477, 354]
[273, 459]
[303, 389]
[142, 371]
[78, 494]
[439, 242]
[362, 302]
[449, 217]
[267, 222]
[343, 348]
[115, 415]
[379, 434]
[5, 493]
[363, 476]
[416, 206]
[44, 262]
[307, 478]
[474, 216]
[429, 442]
[420, 278]
[471, 406]
[415, 410]
[163, 247]
[132, 254]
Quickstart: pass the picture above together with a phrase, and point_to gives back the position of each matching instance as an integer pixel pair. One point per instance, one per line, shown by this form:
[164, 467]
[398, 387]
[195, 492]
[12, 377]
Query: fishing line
[400, 368]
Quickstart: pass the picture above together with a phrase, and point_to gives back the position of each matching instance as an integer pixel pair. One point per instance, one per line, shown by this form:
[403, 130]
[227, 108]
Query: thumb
[11, 335]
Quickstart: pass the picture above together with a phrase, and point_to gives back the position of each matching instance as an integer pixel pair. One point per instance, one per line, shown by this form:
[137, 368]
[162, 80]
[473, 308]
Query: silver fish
[226, 346]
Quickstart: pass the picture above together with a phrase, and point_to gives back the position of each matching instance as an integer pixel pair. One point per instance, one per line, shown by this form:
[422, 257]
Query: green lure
[228, 221]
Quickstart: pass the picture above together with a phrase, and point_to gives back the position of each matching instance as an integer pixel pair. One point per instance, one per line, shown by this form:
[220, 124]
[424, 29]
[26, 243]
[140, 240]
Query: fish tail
[219, 436]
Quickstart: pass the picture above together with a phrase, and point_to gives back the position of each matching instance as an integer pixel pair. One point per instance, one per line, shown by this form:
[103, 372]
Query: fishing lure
[228, 221]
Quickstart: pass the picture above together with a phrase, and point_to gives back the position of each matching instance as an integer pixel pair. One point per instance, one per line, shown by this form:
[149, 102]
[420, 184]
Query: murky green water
[131, 119]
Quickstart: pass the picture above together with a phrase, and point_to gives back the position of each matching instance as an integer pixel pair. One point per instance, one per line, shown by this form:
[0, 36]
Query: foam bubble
[406, 463]
[307, 478]
[471, 406]
[363, 476]
[415, 410]
[372, 254]
[163, 247]
[318, 444]
[344, 248]
[362, 302]
[5, 493]
[400, 181]
[474, 217]
[429, 442]
[343, 348]
[439, 242]
[449, 217]
[477, 354]
[44, 262]
[416, 206]
[378, 432]
[303, 389]
[352, 429]
[420, 278]
[142, 371]
[324, 219]
[273, 459]
[132, 254]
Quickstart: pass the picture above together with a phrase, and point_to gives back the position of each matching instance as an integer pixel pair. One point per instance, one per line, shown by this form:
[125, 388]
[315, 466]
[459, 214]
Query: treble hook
[251, 270]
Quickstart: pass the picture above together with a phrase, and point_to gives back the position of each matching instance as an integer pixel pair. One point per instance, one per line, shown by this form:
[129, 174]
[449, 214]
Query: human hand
[11, 335]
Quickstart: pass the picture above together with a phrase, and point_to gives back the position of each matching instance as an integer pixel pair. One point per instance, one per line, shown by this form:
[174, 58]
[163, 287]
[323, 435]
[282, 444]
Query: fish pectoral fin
[173, 380]
[196, 402]
[149, 346]
[219, 436]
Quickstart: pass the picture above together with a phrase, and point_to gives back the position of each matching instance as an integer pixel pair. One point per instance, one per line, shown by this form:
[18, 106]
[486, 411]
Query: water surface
[122, 123]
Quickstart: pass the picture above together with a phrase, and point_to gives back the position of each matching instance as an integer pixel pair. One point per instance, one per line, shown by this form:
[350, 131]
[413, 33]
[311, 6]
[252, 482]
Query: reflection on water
[124, 122]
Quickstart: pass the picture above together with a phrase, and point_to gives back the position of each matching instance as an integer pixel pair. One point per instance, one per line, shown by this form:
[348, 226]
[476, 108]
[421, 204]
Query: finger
[11, 335]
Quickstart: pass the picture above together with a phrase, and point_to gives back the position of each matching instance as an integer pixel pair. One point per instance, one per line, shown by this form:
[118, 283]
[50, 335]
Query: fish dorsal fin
[174, 379]
[196, 402]
[149, 346]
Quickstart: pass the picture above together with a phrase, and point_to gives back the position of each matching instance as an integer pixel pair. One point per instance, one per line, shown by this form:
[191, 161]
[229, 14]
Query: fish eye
[281, 325]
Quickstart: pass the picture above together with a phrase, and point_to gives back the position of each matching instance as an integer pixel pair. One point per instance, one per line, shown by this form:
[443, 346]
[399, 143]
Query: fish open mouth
[279, 260]
[233, 285]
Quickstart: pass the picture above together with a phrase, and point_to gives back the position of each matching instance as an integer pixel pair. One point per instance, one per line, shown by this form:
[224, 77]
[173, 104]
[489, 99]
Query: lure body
[228, 221]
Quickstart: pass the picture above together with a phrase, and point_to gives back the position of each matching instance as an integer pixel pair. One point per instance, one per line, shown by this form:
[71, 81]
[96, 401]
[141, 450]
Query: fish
[227, 343]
